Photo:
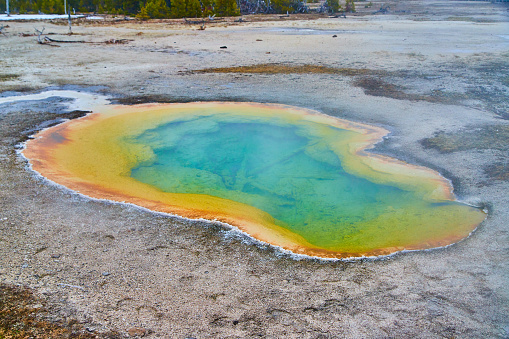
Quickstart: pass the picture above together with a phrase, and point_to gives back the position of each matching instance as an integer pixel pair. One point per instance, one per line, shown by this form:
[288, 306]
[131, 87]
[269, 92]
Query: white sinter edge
[82, 101]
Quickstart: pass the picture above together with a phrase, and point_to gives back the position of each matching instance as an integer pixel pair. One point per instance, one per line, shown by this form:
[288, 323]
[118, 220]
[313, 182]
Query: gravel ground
[432, 75]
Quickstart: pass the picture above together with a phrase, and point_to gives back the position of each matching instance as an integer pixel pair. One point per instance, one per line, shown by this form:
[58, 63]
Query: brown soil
[289, 69]
[25, 315]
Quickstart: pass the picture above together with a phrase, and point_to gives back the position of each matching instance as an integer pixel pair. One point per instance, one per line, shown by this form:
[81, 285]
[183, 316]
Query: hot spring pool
[287, 176]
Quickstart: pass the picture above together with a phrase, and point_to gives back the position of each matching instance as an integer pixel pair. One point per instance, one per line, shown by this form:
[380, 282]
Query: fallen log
[117, 41]
[64, 41]
[194, 22]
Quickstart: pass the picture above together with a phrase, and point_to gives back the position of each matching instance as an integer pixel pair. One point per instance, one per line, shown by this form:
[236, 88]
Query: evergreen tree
[186, 9]
[333, 6]
[350, 6]
[226, 8]
[283, 6]
[178, 8]
[86, 6]
[50, 6]
[143, 15]
[207, 7]
[193, 9]
[130, 6]
[156, 9]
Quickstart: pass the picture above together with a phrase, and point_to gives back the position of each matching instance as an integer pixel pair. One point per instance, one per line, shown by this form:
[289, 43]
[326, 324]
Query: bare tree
[69, 20]
[39, 34]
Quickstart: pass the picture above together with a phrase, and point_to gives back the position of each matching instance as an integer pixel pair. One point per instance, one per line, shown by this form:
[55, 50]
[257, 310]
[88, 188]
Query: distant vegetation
[159, 9]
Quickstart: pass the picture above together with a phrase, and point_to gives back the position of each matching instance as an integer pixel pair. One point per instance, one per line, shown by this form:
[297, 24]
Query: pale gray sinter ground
[440, 68]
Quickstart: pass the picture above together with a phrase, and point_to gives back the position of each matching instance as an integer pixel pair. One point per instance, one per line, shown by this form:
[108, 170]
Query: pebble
[106, 274]
[137, 332]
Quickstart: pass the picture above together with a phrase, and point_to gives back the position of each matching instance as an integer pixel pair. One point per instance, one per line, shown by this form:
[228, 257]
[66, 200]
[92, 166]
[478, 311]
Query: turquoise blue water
[281, 169]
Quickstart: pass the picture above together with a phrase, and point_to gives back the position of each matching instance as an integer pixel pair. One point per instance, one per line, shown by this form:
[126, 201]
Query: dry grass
[494, 137]
[22, 315]
[291, 69]
[377, 87]
[498, 171]
[8, 77]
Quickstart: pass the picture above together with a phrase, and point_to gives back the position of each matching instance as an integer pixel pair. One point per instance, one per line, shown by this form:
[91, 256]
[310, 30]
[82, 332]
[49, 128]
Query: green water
[282, 169]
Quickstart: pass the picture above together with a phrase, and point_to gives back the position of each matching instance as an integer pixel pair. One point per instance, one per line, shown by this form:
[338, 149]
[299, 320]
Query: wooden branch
[39, 34]
[194, 22]
[69, 20]
[117, 41]
[64, 41]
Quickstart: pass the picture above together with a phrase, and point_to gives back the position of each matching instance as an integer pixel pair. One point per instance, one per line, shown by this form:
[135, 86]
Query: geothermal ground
[435, 73]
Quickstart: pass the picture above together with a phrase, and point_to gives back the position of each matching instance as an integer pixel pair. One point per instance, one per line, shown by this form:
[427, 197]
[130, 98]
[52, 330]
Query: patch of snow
[4, 17]
[83, 101]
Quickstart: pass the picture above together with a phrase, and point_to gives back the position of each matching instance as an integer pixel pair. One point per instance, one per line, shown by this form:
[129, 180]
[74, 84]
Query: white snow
[84, 101]
[4, 17]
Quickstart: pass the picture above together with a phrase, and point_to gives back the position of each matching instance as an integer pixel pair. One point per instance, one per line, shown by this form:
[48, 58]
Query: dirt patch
[469, 19]
[494, 137]
[24, 315]
[371, 81]
[498, 171]
[8, 77]
[380, 88]
[292, 69]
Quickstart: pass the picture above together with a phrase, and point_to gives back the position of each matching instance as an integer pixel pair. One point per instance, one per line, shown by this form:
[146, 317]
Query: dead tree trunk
[39, 35]
[69, 20]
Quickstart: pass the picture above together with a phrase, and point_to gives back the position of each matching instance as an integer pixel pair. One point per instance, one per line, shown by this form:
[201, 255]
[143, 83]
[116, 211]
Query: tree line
[159, 9]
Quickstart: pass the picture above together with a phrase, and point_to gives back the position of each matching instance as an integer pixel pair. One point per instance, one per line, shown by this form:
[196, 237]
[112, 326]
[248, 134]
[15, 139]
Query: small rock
[223, 47]
[55, 256]
[137, 332]
[334, 36]
[106, 274]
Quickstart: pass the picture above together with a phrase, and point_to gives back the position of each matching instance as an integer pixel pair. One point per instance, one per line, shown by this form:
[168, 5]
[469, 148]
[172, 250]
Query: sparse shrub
[350, 6]
[333, 6]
